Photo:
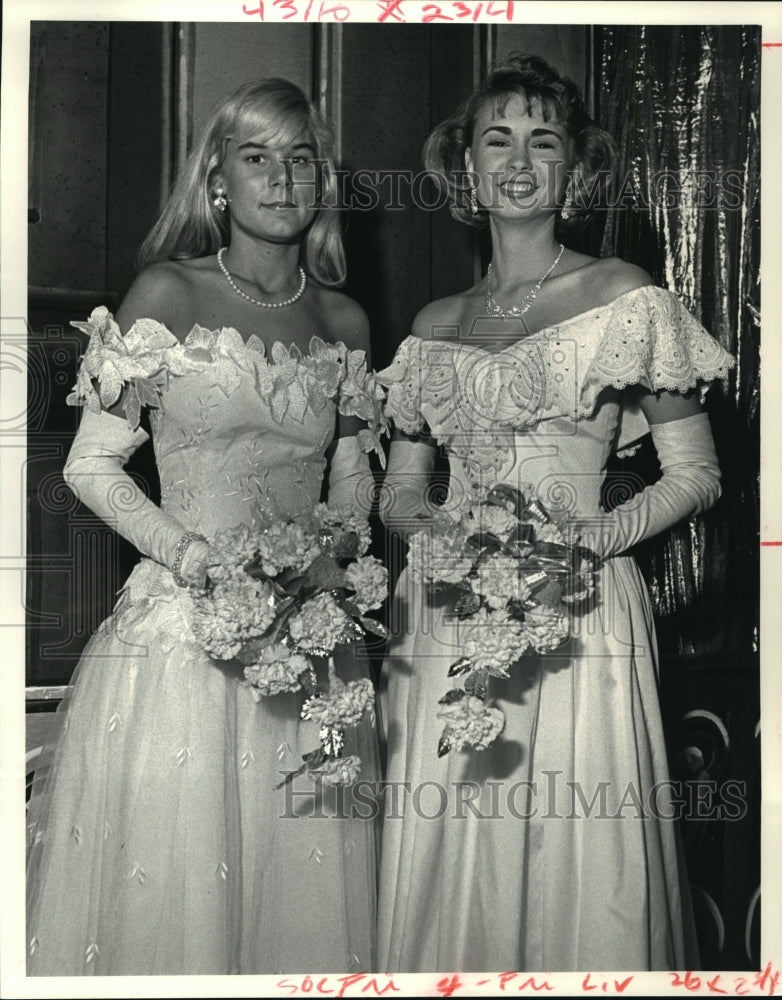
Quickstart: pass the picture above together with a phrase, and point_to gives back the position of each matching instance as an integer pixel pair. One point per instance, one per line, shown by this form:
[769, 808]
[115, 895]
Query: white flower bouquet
[287, 593]
[514, 582]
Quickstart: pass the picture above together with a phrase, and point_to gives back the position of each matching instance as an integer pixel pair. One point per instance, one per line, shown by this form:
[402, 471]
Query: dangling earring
[219, 199]
[473, 201]
[567, 204]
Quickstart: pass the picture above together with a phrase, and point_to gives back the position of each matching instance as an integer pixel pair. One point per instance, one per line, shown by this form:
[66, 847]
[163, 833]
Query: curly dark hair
[535, 81]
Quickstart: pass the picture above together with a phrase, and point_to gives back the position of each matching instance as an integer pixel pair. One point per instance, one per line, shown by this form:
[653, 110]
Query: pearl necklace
[257, 302]
[521, 307]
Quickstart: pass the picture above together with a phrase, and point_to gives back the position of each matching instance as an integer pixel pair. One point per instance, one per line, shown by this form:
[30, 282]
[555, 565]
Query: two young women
[158, 845]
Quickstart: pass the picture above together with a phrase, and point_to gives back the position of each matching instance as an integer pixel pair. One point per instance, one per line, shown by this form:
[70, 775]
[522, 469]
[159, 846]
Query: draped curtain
[683, 105]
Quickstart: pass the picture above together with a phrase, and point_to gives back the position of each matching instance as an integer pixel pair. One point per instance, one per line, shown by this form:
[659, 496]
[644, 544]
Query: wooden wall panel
[227, 55]
[385, 120]
[137, 117]
[565, 46]
[457, 65]
[69, 65]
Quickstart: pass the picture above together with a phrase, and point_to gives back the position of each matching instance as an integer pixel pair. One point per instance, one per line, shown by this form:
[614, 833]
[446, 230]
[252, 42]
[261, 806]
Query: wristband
[183, 545]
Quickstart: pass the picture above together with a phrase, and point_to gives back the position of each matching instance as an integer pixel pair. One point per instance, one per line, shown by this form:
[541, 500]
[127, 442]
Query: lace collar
[644, 337]
[139, 365]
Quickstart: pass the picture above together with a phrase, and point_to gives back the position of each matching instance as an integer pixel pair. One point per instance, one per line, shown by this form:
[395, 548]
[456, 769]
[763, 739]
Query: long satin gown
[533, 854]
[158, 841]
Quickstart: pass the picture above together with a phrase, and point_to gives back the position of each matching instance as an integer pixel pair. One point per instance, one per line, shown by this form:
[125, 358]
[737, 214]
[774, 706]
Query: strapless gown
[158, 842]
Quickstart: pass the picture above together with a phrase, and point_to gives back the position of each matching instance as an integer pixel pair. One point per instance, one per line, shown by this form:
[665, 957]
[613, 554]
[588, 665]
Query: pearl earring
[219, 199]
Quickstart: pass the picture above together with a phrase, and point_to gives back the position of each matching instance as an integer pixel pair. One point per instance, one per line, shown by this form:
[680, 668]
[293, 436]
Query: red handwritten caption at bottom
[765, 982]
[519, 982]
[354, 984]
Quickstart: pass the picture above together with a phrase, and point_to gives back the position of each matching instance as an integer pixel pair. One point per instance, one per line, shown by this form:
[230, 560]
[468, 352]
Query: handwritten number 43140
[308, 11]
[386, 10]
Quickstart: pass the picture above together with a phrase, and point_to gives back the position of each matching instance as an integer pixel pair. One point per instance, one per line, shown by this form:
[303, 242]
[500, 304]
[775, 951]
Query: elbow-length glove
[351, 483]
[403, 496]
[94, 470]
[689, 485]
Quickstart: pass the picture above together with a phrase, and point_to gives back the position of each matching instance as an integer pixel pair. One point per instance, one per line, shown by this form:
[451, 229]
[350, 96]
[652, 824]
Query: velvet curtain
[683, 105]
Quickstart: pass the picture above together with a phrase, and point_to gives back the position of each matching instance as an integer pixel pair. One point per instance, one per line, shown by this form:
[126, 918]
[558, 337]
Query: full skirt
[159, 842]
[553, 849]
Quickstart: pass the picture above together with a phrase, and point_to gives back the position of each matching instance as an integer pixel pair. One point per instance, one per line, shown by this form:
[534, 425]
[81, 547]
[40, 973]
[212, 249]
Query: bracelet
[182, 546]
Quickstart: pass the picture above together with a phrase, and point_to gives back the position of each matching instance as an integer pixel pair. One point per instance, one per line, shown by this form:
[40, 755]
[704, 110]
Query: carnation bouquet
[514, 582]
[285, 594]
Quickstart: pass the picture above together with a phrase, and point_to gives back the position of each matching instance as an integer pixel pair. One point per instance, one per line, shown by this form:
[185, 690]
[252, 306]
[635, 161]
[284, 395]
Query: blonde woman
[159, 840]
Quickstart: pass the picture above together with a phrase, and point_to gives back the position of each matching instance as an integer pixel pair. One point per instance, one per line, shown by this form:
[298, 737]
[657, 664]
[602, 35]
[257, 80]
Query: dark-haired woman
[160, 840]
[555, 848]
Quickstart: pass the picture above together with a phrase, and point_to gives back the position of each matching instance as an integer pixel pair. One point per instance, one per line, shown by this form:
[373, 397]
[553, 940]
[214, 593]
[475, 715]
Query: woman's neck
[272, 267]
[521, 253]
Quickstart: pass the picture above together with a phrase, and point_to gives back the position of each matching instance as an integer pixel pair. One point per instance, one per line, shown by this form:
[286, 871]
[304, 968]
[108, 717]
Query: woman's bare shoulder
[432, 321]
[617, 277]
[161, 292]
[344, 319]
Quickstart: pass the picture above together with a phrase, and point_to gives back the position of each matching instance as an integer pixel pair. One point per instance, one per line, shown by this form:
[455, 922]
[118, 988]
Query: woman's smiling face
[520, 160]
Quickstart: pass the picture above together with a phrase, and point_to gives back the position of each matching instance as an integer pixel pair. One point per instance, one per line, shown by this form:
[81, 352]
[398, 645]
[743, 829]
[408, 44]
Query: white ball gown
[158, 841]
[549, 865]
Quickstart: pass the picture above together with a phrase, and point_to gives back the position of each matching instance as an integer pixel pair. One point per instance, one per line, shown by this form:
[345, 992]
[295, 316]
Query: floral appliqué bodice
[157, 838]
[236, 431]
[550, 408]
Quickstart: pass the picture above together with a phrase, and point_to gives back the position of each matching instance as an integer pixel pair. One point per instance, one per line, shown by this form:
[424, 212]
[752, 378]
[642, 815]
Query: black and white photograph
[390, 531]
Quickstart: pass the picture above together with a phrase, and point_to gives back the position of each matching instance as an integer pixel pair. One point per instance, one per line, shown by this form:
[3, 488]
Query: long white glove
[95, 472]
[689, 485]
[351, 483]
[403, 495]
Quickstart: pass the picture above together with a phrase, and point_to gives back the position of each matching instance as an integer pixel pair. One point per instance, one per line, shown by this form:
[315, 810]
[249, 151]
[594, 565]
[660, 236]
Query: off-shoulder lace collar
[139, 365]
[645, 337]
[625, 300]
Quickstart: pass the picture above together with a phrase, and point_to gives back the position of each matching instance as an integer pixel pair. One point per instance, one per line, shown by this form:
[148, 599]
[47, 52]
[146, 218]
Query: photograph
[390, 528]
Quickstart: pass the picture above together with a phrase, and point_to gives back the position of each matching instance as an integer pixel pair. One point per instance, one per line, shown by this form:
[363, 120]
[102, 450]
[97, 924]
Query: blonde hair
[192, 226]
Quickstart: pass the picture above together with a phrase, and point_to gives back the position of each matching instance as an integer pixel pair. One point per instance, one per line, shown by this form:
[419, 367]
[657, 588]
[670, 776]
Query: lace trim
[404, 382]
[291, 382]
[656, 343]
[471, 397]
